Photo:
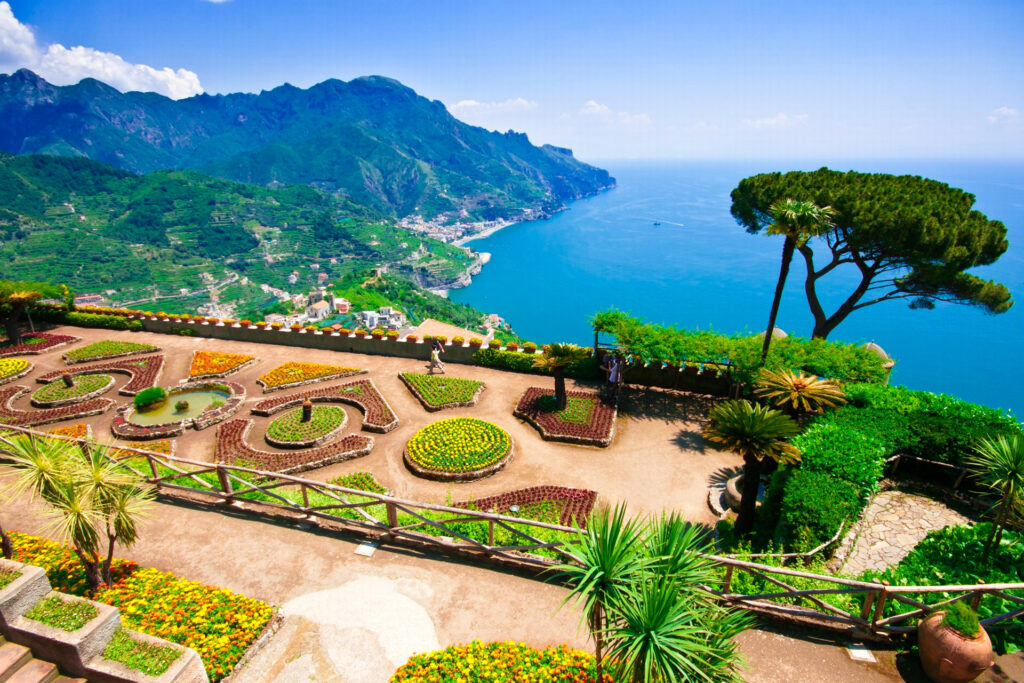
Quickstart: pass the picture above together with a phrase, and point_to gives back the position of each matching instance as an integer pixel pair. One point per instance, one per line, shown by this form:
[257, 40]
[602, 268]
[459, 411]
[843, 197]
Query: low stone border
[444, 406]
[525, 410]
[76, 399]
[232, 448]
[144, 372]
[53, 341]
[314, 380]
[18, 375]
[381, 423]
[438, 475]
[98, 359]
[122, 427]
[217, 375]
[24, 418]
[313, 443]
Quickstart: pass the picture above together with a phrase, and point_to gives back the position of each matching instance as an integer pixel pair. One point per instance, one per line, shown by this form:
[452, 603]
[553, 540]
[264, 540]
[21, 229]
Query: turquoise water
[699, 269]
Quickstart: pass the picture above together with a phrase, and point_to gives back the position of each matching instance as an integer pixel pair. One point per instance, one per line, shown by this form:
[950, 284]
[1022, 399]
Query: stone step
[12, 658]
[65, 679]
[35, 671]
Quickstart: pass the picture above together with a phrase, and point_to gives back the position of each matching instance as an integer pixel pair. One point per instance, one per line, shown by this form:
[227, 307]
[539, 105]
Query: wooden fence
[476, 533]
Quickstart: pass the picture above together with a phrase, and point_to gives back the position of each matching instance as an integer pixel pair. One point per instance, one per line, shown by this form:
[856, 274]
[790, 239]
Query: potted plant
[245, 323]
[476, 342]
[276, 326]
[260, 325]
[310, 329]
[441, 338]
[494, 344]
[529, 347]
[458, 341]
[345, 332]
[228, 322]
[954, 647]
[361, 332]
[377, 333]
[411, 338]
[295, 327]
[427, 338]
[511, 346]
[392, 335]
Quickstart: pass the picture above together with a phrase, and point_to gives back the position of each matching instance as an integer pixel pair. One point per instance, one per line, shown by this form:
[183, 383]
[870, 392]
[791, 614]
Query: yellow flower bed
[206, 363]
[504, 662]
[294, 372]
[459, 444]
[9, 367]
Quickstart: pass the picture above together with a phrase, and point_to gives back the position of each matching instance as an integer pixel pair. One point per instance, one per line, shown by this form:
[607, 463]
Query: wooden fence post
[727, 581]
[225, 484]
[152, 466]
[976, 600]
[305, 498]
[392, 514]
[879, 604]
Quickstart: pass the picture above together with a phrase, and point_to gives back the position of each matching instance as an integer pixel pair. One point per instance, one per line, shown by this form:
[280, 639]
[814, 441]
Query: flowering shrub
[37, 342]
[217, 364]
[377, 414]
[164, 446]
[290, 429]
[529, 347]
[13, 368]
[360, 333]
[82, 387]
[228, 322]
[458, 341]
[476, 342]
[144, 372]
[511, 346]
[295, 327]
[261, 325]
[294, 373]
[245, 322]
[78, 430]
[586, 420]
[232, 448]
[345, 331]
[276, 326]
[360, 481]
[62, 566]
[411, 338]
[438, 391]
[102, 350]
[441, 338]
[428, 338]
[494, 344]
[504, 662]
[310, 328]
[377, 333]
[459, 444]
[391, 334]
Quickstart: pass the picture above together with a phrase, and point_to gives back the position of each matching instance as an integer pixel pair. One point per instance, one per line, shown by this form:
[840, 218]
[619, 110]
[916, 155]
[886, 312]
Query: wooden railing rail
[437, 526]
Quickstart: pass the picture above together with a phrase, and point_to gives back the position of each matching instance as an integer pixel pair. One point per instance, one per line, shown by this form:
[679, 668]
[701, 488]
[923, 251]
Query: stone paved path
[892, 525]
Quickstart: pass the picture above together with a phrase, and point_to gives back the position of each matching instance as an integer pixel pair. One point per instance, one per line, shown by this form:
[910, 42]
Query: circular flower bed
[13, 368]
[289, 431]
[82, 388]
[500, 663]
[458, 449]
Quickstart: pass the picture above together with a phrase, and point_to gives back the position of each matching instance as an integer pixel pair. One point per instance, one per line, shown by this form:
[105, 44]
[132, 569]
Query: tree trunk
[597, 628]
[787, 258]
[560, 397]
[748, 499]
[6, 546]
[92, 570]
[1000, 518]
[11, 324]
[108, 578]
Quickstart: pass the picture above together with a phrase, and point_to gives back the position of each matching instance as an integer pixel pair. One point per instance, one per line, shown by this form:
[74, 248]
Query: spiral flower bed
[289, 431]
[82, 389]
[587, 420]
[13, 368]
[363, 393]
[144, 372]
[293, 374]
[458, 449]
[232, 448]
[437, 392]
[210, 364]
[32, 418]
[104, 350]
[36, 343]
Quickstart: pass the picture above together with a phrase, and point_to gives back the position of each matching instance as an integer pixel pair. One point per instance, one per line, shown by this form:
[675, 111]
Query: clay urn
[66, 378]
[948, 656]
[307, 410]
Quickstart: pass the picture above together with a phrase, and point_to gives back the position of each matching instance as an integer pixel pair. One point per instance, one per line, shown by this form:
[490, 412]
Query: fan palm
[798, 221]
[757, 433]
[555, 358]
[602, 567]
[998, 463]
[798, 392]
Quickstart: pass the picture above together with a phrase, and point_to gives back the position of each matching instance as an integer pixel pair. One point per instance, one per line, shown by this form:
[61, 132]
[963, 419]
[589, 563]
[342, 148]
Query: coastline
[486, 232]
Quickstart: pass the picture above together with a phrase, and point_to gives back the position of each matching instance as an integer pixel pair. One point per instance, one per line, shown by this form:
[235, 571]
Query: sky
[611, 80]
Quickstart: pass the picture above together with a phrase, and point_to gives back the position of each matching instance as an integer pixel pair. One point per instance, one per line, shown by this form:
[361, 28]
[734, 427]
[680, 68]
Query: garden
[438, 392]
[458, 449]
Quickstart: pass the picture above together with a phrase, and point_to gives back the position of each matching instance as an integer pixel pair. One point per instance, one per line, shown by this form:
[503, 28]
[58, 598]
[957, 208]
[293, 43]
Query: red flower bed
[32, 418]
[49, 341]
[577, 504]
[363, 394]
[232, 449]
[144, 372]
[596, 431]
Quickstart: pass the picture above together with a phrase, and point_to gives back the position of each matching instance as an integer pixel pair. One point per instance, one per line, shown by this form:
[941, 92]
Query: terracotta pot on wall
[950, 657]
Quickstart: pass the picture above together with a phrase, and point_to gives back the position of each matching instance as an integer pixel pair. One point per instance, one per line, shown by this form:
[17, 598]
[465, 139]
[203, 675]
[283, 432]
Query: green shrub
[148, 397]
[843, 452]
[110, 322]
[588, 368]
[950, 557]
[961, 618]
[814, 505]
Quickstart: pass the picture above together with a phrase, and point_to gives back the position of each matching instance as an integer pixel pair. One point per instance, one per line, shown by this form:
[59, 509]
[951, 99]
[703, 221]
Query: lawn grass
[149, 658]
[67, 615]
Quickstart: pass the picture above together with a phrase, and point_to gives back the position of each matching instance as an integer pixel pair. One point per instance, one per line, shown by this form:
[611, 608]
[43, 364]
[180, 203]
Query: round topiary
[458, 449]
[148, 398]
[290, 431]
[181, 406]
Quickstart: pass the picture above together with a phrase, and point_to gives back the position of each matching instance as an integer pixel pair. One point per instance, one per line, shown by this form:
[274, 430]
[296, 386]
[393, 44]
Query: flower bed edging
[455, 444]
[29, 367]
[438, 475]
[553, 429]
[442, 406]
[74, 399]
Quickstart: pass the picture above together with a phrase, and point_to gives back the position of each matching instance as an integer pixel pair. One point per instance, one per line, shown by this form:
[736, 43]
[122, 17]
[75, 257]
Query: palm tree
[555, 359]
[798, 221]
[92, 500]
[602, 568]
[798, 393]
[757, 433]
[998, 462]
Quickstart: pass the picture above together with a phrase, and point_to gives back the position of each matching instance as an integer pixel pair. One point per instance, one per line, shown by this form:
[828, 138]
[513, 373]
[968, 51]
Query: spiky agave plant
[798, 392]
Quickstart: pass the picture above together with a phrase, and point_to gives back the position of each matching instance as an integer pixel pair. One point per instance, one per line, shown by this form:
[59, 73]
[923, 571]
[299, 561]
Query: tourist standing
[436, 349]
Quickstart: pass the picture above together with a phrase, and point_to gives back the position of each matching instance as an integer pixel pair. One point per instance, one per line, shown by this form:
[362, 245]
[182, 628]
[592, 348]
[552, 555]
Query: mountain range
[371, 139]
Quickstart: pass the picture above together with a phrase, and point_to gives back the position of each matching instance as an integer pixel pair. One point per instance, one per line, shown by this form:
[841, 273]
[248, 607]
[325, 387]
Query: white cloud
[509, 105]
[63, 66]
[602, 112]
[780, 120]
[1001, 115]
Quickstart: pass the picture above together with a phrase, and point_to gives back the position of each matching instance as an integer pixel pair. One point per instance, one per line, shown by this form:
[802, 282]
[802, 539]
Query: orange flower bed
[217, 364]
[294, 373]
[78, 430]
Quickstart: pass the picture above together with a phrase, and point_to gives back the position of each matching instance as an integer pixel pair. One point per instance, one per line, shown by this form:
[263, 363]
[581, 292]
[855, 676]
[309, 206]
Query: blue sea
[699, 269]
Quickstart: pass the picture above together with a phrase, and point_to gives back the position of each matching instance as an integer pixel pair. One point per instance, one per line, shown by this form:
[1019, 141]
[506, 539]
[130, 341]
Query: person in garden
[613, 369]
[436, 349]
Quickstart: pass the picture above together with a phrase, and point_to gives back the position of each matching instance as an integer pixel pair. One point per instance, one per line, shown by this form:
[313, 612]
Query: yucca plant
[756, 433]
[93, 502]
[797, 392]
[555, 358]
[998, 463]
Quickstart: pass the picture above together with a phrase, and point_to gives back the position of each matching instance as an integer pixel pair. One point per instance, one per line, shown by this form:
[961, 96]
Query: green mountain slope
[371, 139]
[101, 229]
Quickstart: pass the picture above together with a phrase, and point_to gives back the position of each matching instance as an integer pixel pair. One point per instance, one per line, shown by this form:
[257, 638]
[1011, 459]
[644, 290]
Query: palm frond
[752, 431]
[803, 393]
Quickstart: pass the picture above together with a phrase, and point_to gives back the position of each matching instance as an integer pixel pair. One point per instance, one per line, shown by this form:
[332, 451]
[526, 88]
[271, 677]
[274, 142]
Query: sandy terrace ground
[657, 461]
